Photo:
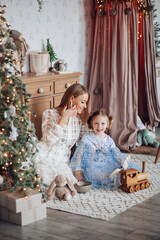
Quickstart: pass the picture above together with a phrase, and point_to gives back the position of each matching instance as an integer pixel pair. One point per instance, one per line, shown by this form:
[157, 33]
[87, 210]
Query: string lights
[101, 6]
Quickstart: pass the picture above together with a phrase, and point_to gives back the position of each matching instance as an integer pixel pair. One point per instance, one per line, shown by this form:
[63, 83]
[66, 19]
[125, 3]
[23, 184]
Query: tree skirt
[105, 204]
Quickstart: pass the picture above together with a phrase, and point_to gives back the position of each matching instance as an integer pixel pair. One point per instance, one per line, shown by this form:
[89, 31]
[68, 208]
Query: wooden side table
[157, 155]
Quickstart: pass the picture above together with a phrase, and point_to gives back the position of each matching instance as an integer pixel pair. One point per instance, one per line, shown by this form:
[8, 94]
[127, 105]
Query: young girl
[97, 155]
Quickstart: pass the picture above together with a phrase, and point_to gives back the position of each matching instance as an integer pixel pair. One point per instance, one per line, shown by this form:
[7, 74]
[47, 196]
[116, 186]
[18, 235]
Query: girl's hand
[79, 176]
[66, 114]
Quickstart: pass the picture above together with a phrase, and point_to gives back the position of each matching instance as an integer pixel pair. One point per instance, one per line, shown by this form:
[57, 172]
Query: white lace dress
[55, 146]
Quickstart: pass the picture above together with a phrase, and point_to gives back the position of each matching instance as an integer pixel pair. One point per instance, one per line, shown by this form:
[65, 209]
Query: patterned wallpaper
[157, 2]
[66, 22]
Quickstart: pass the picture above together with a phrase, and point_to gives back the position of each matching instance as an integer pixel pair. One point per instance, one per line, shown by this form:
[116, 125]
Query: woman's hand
[66, 114]
[69, 112]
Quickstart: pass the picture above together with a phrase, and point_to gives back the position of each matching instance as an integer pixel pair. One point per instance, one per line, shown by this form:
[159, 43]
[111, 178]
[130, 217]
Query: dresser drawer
[40, 89]
[57, 100]
[61, 85]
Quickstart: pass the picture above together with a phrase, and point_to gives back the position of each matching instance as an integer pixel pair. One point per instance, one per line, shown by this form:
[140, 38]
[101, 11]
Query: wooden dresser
[46, 90]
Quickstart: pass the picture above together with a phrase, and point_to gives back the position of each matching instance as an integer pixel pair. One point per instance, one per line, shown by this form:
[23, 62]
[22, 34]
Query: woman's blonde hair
[75, 90]
[101, 112]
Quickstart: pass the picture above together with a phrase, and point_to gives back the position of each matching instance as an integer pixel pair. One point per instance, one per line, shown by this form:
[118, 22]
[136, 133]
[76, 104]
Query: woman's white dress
[55, 146]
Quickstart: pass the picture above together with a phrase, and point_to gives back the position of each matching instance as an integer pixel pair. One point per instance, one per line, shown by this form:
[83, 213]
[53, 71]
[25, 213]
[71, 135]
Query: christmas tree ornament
[5, 115]
[12, 110]
[14, 134]
[128, 10]
[11, 69]
[1, 179]
[26, 165]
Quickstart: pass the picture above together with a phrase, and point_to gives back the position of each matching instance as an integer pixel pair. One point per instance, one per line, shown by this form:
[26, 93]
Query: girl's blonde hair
[101, 112]
[75, 90]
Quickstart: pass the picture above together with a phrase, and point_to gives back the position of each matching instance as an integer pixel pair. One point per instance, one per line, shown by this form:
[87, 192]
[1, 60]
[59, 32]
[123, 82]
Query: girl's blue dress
[98, 158]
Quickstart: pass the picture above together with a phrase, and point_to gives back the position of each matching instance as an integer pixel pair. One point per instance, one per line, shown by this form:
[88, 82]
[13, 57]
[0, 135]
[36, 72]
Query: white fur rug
[105, 204]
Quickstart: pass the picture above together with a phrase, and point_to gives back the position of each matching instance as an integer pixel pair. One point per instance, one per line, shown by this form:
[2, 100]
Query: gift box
[16, 201]
[24, 217]
[7, 183]
[39, 62]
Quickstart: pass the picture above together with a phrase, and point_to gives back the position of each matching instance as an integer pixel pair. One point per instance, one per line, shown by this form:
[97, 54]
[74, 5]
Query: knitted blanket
[105, 204]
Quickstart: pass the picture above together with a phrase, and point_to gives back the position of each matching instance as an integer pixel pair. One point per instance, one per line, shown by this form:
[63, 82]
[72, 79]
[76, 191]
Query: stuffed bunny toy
[62, 188]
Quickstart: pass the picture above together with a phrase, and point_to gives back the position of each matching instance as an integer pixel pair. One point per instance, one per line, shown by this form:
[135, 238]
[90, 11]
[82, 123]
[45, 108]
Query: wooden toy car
[133, 180]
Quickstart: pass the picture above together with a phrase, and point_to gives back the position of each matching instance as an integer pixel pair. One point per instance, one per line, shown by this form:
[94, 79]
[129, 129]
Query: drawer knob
[67, 85]
[40, 90]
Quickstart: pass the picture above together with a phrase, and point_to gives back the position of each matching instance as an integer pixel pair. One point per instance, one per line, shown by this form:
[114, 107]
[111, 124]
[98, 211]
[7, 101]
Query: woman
[61, 128]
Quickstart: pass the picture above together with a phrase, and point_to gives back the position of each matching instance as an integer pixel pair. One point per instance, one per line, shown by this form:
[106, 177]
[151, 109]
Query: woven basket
[39, 62]
[7, 183]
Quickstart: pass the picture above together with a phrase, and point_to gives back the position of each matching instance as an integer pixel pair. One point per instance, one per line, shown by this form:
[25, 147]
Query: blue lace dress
[98, 158]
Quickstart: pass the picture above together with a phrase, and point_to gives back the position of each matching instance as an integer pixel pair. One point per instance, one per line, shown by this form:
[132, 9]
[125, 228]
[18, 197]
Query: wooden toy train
[134, 180]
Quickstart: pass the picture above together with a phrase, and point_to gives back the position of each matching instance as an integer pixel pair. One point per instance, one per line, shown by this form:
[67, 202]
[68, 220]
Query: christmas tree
[156, 31]
[17, 133]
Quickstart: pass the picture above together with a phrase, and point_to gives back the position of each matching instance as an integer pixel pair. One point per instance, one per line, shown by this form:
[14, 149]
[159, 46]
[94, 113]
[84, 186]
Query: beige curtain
[113, 82]
[149, 109]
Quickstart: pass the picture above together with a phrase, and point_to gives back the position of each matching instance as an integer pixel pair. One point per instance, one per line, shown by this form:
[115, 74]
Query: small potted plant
[53, 55]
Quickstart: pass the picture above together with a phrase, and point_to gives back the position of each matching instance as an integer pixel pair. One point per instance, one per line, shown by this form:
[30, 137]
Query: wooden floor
[137, 223]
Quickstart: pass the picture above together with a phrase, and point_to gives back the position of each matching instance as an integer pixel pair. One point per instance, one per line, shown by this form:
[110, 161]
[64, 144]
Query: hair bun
[111, 119]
